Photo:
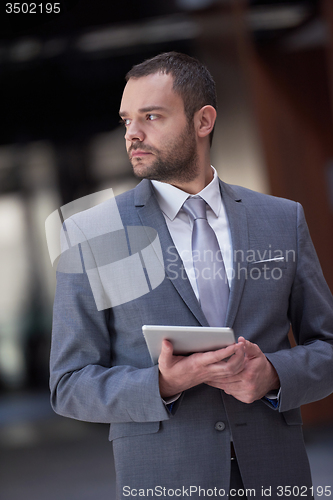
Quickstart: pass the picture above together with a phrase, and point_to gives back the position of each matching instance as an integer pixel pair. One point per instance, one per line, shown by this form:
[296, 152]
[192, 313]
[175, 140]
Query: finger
[224, 369]
[212, 357]
[231, 380]
[228, 387]
[233, 367]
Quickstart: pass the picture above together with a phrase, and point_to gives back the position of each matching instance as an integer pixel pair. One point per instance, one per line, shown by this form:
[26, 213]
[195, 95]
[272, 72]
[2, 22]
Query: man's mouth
[138, 152]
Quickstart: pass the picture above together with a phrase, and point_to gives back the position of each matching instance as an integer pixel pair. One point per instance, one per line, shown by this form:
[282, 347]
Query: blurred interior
[61, 81]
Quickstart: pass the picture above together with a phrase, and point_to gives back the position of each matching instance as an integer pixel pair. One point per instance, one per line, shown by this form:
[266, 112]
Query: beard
[176, 163]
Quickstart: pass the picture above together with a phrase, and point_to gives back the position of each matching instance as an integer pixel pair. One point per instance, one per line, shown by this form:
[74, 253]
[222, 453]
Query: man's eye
[152, 117]
[125, 121]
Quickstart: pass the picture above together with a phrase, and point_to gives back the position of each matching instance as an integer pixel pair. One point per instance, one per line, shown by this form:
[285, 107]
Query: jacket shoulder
[109, 209]
[254, 198]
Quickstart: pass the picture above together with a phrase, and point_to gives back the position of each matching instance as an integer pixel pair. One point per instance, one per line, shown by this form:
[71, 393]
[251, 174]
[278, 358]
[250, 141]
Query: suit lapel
[237, 217]
[150, 215]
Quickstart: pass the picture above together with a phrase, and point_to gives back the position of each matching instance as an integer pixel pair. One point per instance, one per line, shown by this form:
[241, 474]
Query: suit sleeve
[84, 383]
[306, 371]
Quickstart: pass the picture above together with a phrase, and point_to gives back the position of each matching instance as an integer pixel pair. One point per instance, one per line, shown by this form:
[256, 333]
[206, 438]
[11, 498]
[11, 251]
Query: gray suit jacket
[101, 369]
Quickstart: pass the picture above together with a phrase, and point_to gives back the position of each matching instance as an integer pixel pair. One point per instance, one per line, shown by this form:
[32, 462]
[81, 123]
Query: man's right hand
[178, 373]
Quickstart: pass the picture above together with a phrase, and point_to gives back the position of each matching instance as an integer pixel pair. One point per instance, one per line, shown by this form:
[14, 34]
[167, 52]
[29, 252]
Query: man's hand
[178, 373]
[257, 378]
[247, 375]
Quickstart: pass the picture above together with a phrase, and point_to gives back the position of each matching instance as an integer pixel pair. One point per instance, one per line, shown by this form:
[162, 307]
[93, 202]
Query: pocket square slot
[276, 259]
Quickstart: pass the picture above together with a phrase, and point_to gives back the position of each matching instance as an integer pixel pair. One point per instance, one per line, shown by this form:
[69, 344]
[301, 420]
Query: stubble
[176, 163]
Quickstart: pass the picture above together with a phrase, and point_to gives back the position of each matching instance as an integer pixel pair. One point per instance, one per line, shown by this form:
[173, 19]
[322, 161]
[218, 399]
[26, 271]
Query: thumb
[251, 350]
[166, 352]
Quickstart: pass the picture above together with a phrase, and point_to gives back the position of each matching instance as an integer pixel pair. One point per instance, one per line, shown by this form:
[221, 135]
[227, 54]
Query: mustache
[141, 147]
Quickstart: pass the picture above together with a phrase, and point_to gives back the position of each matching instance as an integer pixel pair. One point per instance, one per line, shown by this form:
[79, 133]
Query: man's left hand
[257, 379]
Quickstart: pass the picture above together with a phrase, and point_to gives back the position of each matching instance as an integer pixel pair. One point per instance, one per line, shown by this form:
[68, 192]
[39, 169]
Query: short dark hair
[192, 80]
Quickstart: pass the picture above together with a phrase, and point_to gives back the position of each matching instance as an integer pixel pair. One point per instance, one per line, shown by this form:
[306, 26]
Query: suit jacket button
[220, 426]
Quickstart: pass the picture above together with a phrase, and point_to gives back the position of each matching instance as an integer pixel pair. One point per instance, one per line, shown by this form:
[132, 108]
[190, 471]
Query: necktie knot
[195, 208]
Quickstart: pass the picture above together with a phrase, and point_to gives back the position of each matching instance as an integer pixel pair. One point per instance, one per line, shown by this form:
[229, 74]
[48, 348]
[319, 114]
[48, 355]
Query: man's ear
[204, 120]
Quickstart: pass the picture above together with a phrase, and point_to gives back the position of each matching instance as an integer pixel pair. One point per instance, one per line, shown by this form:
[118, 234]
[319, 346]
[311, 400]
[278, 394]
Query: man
[188, 425]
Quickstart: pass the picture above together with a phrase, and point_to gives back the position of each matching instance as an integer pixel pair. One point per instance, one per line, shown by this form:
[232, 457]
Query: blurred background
[61, 80]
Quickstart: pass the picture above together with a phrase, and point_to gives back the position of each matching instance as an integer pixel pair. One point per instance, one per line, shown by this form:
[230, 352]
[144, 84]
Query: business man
[188, 425]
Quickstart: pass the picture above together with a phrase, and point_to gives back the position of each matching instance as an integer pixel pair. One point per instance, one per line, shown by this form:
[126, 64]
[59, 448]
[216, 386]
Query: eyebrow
[145, 110]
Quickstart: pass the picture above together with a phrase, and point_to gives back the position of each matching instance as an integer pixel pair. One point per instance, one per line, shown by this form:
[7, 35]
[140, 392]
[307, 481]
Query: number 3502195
[32, 8]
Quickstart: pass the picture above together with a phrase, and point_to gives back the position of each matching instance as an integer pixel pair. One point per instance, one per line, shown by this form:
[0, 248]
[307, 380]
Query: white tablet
[186, 339]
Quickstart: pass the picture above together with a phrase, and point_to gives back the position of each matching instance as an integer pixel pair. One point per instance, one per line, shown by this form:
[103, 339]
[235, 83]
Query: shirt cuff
[273, 398]
[169, 402]
[172, 399]
[273, 394]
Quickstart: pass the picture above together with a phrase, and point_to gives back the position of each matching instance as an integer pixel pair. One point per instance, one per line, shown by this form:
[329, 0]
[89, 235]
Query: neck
[198, 184]
[205, 173]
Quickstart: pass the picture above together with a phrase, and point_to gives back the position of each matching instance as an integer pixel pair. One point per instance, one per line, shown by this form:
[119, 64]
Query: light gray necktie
[208, 264]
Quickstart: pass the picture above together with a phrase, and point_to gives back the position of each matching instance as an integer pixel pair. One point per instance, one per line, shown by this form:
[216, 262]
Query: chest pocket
[267, 268]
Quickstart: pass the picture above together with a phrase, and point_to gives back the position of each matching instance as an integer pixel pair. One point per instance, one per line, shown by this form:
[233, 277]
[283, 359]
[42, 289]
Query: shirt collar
[171, 199]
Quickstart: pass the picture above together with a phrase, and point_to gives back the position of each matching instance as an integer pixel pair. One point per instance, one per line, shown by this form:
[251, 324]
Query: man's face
[160, 142]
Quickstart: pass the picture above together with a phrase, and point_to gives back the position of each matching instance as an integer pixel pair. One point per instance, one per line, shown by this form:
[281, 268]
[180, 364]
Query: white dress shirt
[170, 200]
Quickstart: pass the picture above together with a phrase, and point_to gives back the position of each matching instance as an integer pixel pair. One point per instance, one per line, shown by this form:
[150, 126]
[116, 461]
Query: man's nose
[134, 132]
